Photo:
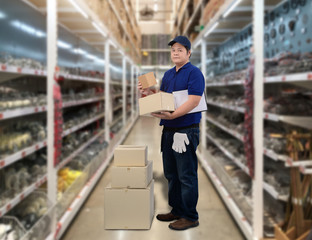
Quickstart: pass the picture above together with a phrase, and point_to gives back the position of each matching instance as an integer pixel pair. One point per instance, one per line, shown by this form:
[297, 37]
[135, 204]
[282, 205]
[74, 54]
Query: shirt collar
[184, 66]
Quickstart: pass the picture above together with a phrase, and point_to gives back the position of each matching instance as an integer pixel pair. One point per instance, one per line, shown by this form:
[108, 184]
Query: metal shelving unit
[220, 27]
[99, 34]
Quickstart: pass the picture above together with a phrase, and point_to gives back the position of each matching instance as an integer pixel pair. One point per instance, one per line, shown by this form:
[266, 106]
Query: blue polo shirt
[187, 77]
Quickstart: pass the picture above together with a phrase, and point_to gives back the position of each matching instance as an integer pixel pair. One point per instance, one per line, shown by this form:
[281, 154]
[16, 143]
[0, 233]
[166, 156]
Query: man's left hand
[164, 115]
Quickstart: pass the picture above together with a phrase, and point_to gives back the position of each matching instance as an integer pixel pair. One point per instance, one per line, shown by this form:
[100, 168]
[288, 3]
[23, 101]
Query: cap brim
[171, 43]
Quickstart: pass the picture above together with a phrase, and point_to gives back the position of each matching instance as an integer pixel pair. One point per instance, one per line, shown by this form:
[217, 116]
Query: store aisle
[215, 221]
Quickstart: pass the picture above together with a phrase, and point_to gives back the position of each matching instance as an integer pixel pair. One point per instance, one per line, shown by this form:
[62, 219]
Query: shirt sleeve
[162, 85]
[196, 82]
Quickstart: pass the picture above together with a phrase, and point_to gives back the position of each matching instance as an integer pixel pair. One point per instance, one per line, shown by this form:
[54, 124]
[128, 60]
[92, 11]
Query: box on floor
[126, 208]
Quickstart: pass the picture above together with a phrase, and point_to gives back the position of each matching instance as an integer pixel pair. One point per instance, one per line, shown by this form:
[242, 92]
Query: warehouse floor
[215, 221]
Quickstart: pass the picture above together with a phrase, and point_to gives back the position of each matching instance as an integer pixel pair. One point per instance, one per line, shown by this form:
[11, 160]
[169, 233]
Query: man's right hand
[145, 91]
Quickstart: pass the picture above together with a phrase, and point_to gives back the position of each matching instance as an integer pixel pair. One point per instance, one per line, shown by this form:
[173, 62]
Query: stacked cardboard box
[129, 198]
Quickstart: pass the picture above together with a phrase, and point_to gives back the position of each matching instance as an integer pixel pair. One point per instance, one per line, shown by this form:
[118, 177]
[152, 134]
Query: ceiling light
[28, 29]
[2, 15]
[79, 9]
[79, 51]
[211, 29]
[231, 8]
[62, 44]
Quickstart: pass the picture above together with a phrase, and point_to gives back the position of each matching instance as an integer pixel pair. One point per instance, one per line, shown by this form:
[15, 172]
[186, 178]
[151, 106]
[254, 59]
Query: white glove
[179, 141]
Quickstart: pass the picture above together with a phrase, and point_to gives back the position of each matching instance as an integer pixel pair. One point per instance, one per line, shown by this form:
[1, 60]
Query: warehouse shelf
[82, 78]
[229, 83]
[80, 149]
[71, 212]
[117, 95]
[129, 16]
[119, 118]
[81, 102]
[268, 152]
[306, 169]
[304, 122]
[9, 72]
[270, 189]
[299, 121]
[93, 33]
[219, 36]
[122, 25]
[228, 154]
[18, 72]
[8, 160]
[21, 112]
[182, 9]
[275, 194]
[114, 82]
[227, 106]
[295, 77]
[194, 15]
[232, 132]
[277, 157]
[117, 107]
[17, 199]
[81, 125]
[226, 197]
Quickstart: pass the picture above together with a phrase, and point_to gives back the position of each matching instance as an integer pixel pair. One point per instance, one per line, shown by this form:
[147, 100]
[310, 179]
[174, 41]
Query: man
[180, 137]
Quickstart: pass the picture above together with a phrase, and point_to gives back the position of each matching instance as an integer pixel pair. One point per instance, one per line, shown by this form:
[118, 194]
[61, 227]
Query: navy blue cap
[182, 40]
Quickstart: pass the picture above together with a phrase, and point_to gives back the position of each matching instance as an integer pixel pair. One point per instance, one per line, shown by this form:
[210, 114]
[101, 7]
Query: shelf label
[23, 154]
[19, 70]
[283, 78]
[309, 76]
[3, 67]
[37, 147]
[22, 196]
[1, 115]
[43, 108]
[36, 109]
[266, 116]
[36, 72]
[8, 207]
[2, 163]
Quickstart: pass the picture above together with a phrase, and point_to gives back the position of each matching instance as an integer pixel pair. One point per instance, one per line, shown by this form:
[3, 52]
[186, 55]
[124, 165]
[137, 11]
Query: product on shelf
[33, 210]
[20, 135]
[17, 177]
[11, 229]
[287, 63]
[21, 62]
[296, 104]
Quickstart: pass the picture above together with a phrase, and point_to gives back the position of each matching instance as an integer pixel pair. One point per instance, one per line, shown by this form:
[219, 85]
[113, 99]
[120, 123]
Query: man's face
[179, 54]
